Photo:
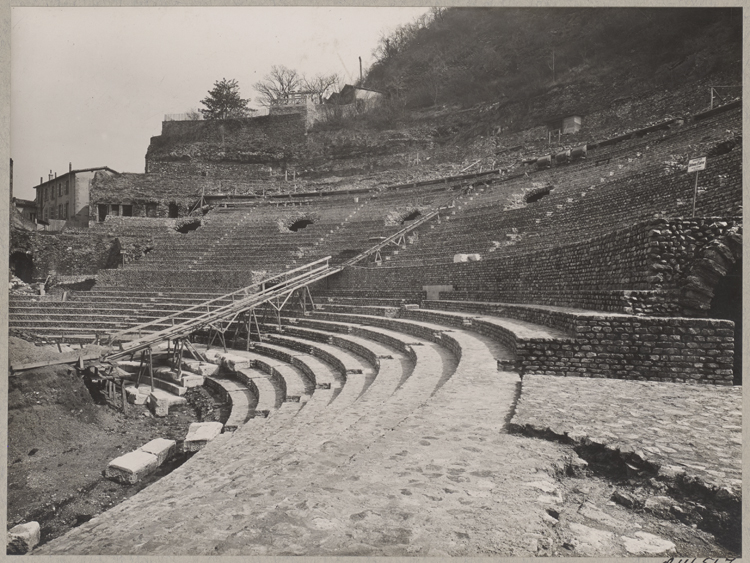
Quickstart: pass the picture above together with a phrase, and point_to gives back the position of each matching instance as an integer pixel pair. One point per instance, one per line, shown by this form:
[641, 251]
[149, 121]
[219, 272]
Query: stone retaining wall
[640, 269]
[620, 346]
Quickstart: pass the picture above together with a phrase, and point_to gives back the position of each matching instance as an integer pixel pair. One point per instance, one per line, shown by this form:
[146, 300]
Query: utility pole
[360, 71]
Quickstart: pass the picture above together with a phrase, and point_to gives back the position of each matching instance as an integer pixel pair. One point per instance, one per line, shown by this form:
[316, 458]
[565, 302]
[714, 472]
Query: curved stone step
[358, 371]
[270, 396]
[242, 399]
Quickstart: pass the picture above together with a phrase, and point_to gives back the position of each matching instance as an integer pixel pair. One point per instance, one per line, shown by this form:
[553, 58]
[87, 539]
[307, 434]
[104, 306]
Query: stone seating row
[653, 152]
[555, 221]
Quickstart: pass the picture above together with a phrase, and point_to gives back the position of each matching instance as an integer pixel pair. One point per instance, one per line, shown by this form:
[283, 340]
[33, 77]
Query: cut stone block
[137, 396]
[235, 362]
[168, 386]
[190, 380]
[160, 402]
[131, 467]
[160, 447]
[201, 368]
[200, 433]
[167, 373]
[23, 538]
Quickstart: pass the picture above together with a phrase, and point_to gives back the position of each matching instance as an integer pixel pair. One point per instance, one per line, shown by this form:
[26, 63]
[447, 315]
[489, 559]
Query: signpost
[695, 165]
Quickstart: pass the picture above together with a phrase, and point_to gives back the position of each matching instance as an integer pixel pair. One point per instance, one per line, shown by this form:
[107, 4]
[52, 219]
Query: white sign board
[696, 164]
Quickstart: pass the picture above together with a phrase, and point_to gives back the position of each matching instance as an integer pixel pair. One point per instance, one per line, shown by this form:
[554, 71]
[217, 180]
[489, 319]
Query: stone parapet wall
[618, 346]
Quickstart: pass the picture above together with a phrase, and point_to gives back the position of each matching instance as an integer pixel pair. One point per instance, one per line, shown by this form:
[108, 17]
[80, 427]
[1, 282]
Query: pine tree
[224, 101]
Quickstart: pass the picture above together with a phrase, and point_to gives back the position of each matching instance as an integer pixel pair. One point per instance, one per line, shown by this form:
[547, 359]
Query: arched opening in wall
[300, 224]
[173, 210]
[22, 266]
[411, 216]
[727, 304]
[536, 195]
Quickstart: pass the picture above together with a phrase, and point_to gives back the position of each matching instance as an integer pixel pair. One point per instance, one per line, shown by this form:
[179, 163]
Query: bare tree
[277, 84]
[322, 85]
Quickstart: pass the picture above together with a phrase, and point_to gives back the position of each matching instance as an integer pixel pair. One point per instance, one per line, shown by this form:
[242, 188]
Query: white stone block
[191, 380]
[200, 368]
[167, 373]
[160, 447]
[200, 433]
[235, 362]
[131, 467]
[23, 538]
[460, 258]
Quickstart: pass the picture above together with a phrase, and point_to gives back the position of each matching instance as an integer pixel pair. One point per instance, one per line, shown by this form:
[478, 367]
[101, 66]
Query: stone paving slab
[690, 429]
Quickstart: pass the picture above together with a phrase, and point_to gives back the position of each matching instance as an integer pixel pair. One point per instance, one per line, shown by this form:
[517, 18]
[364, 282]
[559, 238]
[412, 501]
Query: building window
[114, 209]
[150, 210]
[60, 211]
[32, 217]
[67, 187]
[102, 212]
[66, 211]
[59, 189]
[127, 210]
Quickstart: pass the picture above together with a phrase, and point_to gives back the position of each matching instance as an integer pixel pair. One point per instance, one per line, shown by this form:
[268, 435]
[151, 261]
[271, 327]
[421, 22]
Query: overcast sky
[91, 85]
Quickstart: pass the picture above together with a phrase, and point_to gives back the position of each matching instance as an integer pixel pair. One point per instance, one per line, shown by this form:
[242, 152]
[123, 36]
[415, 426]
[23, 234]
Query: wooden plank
[55, 362]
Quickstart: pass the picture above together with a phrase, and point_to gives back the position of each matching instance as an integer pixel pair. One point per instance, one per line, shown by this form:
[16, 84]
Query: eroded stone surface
[160, 402]
[647, 544]
[23, 538]
[691, 429]
[200, 433]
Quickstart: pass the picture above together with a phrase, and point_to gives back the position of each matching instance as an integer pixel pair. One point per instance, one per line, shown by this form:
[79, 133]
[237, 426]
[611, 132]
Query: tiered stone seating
[85, 314]
[587, 196]
[426, 373]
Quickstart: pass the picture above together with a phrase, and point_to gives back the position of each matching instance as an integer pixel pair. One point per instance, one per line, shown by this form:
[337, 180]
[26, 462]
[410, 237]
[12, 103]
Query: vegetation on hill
[472, 55]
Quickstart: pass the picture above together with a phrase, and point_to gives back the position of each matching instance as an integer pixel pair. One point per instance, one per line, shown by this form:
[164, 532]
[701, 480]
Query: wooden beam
[55, 362]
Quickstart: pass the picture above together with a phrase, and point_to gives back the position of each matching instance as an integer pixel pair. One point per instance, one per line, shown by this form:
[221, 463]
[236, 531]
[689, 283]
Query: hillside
[474, 55]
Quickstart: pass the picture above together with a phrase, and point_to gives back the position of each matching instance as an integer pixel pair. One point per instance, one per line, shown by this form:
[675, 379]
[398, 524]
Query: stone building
[66, 197]
[26, 208]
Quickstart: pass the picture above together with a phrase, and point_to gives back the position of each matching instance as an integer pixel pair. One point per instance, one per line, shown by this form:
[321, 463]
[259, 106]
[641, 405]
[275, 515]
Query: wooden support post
[124, 396]
[151, 368]
[140, 369]
[179, 358]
